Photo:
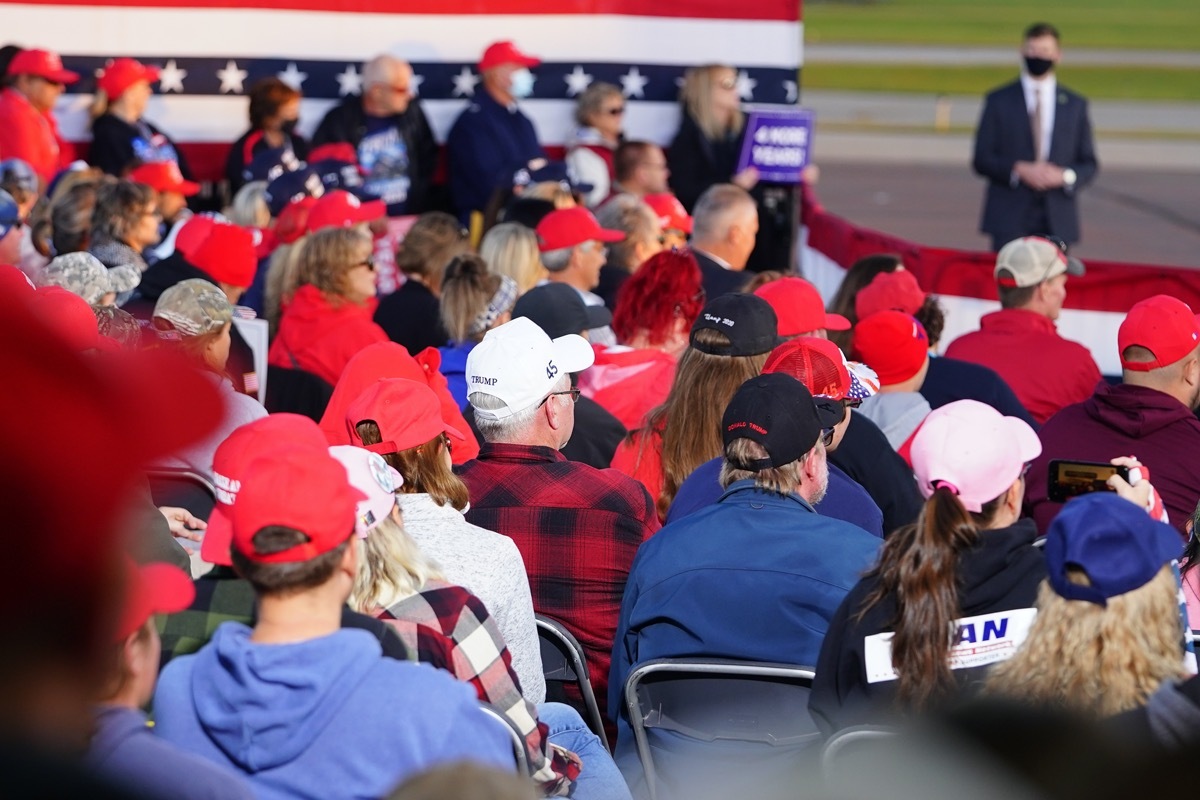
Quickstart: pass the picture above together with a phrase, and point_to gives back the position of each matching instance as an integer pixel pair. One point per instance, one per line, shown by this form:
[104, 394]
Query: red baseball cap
[340, 209]
[152, 589]
[1162, 324]
[164, 176]
[14, 282]
[898, 291]
[231, 462]
[227, 255]
[333, 151]
[292, 222]
[817, 363]
[499, 53]
[72, 317]
[568, 227]
[408, 414]
[299, 488]
[671, 213]
[192, 234]
[121, 73]
[798, 305]
[43, 64]
[893, 344]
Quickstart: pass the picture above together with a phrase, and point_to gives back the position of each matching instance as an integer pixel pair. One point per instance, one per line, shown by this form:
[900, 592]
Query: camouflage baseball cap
[83, 274]
[120, 326]
[194, 307]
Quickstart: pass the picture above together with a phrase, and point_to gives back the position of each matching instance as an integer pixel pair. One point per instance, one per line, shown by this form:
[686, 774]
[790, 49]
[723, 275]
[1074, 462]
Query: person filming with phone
[1150, 413]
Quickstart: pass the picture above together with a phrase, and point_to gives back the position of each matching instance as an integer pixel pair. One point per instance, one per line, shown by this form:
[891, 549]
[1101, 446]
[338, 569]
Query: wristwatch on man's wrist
[1069, 178]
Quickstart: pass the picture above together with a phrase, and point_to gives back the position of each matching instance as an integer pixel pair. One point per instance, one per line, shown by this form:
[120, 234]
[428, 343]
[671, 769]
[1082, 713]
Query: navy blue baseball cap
[10, 213]
[1116, 543]
[269, 164]
[17, 172]
[292, 186]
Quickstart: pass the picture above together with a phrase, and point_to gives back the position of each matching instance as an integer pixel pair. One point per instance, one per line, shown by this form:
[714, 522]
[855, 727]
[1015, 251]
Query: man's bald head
[724, 223]
[387, 83]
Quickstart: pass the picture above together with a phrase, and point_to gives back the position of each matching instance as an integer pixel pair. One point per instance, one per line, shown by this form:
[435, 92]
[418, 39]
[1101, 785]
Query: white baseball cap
[518, 363]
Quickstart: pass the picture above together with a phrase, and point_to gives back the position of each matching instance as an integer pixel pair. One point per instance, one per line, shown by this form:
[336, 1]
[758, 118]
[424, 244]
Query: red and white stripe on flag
[211, 51]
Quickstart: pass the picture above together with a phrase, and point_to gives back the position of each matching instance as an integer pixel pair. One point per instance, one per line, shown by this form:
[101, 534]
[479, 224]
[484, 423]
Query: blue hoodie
[320, 718]
[454, 367]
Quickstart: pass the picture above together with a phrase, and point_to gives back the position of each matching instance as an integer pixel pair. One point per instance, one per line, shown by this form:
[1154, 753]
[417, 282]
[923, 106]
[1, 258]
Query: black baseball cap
[558, 309]
[777, 411]
[748, 321]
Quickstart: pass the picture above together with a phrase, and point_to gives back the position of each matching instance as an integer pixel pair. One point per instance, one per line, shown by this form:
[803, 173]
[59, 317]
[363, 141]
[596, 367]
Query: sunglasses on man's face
[368, 262]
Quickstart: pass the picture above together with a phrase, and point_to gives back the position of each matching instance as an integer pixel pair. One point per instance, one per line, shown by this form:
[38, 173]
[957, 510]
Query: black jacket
[1001, 572]
[411, 316]
[247, 147]
[347, 122]
[118, 146]
[951, 379]
[716, 279]
[865, 455]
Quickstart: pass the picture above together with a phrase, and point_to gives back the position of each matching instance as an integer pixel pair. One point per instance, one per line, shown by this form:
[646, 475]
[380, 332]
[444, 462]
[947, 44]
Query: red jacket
[320, 337]
[628, 382]
[1045, 371]
[31, 135]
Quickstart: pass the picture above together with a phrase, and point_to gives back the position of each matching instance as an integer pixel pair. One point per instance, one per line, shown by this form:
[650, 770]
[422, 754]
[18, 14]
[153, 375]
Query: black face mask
[288, 126]
[1037, 67]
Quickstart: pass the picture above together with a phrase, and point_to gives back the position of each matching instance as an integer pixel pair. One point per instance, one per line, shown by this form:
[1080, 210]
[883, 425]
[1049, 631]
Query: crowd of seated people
[589, 413]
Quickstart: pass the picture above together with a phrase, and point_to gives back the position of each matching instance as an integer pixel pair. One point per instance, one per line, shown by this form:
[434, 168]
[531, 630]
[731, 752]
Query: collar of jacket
[743, 489]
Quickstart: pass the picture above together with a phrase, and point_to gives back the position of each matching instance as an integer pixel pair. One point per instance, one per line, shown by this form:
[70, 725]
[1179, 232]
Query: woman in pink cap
[121, 139]
[954, 592]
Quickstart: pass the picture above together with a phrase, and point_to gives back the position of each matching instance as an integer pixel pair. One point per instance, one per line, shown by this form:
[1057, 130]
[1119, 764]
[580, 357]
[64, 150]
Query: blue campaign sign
[777, 143]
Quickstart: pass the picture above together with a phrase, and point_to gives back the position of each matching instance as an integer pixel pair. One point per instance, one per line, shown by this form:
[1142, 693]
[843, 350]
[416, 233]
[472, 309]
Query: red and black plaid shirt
[578, 529]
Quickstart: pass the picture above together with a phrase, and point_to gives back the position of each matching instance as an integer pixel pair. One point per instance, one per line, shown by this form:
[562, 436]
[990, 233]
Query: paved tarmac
[850, 53]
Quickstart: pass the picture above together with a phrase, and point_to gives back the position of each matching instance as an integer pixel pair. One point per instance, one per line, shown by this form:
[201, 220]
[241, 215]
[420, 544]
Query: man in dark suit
[724, 224]
[1034, 145]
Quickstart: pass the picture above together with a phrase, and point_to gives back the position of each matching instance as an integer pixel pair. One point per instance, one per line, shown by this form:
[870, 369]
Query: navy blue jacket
[951, 379]
[845, 499]
[757, 576]
[1004, 137]
[486, 146]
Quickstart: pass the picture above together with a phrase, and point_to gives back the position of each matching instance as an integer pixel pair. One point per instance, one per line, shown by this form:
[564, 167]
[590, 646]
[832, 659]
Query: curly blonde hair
[1097, 660]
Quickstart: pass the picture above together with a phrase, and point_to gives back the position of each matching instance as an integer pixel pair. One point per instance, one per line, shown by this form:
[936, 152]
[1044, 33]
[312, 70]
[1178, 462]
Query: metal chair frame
[564, 661]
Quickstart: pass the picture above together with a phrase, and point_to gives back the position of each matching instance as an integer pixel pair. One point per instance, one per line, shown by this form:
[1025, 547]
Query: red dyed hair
[667, 286]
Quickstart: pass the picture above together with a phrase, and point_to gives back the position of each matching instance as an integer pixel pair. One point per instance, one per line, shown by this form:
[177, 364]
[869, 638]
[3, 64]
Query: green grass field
[1126, 24]
[1097, 83]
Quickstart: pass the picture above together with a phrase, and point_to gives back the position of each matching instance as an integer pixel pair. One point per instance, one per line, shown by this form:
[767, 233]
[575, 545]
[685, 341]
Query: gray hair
[592, 99]
[782, 479]
[516, 427]
[381, 68]
[557, 260]
[635, 219]
[719, 209]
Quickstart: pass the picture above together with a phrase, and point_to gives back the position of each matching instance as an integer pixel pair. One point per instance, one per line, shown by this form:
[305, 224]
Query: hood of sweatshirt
[265, 704]
[1002, 567]
[1134, 410]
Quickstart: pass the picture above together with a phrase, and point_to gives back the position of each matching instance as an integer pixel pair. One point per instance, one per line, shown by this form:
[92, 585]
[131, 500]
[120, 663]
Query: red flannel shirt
[1045, 371]
[578, 529]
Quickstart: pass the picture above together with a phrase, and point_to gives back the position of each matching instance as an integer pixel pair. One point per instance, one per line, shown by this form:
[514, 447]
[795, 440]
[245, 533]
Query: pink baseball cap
[371, 475]
[973, 450]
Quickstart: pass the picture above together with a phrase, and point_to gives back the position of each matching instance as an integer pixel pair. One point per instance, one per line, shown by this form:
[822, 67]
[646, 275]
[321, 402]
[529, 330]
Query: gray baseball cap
[83, 274]
[194, 307]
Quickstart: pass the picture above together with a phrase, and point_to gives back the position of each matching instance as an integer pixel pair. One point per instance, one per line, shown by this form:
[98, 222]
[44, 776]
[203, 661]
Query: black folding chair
[847, 748]
[714, 700]
[296, 391]
[564, 662]
[182, 488]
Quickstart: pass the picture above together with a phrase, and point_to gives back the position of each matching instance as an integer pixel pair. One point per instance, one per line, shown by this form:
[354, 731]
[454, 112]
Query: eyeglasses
[1025, 469]
[727, 83]
[827, 436]
[573, 392]
[595, 246]
[152, 212]
[852, 402]
[368, 262]
[615, 112]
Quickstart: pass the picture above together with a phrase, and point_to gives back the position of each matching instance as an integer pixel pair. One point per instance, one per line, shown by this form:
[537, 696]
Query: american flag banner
[211, 52]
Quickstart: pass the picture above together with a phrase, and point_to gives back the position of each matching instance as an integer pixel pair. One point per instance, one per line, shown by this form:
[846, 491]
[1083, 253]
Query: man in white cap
[577, 527]
[1020, 341]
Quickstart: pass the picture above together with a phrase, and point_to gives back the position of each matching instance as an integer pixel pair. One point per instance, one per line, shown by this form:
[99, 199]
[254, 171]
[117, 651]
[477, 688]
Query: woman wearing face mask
[121, 138]
[274, 112]
[492, 139]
